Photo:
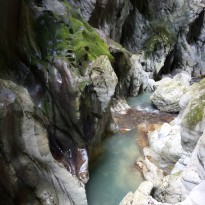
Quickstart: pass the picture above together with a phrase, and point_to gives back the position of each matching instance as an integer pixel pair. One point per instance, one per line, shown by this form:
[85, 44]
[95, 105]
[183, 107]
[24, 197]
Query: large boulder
[133, 76]
[165, 145]
[168, 94]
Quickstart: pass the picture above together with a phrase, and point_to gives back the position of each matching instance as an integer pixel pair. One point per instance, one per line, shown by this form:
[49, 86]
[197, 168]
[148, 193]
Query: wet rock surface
[29, 172]
[63, 107]
[168, 144]
[70, 75]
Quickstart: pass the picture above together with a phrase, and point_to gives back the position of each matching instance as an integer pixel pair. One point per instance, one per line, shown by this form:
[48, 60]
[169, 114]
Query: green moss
[196, 112]
[83, 84]
[70, 37]
[177, 174]
[151, 44]
[162, 35]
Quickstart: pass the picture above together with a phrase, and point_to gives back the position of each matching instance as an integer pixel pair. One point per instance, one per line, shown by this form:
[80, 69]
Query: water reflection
[114, 174]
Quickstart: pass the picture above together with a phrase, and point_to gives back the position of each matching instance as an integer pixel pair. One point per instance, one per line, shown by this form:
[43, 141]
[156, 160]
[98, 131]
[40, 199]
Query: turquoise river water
[113, 174]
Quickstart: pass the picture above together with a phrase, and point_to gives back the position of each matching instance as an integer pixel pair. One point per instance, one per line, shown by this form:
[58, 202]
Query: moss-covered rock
[47, 47]
[104, 80]
[194, 112]
[162, 36]
[29, 171]
[168, 94]
[69, 36]
[193, 115]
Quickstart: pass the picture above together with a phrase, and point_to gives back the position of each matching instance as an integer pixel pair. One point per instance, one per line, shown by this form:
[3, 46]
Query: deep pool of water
[113, 174]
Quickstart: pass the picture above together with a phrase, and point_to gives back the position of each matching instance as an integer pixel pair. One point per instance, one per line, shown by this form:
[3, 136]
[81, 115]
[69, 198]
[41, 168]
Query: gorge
[66, 70]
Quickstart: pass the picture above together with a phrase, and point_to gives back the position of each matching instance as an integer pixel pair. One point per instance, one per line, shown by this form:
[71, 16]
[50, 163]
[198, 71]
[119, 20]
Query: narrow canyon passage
[66, 68]
[114, 173]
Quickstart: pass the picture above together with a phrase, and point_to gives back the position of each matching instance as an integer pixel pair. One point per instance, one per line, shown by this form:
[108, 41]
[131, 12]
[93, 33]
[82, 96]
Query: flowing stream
[114, 174]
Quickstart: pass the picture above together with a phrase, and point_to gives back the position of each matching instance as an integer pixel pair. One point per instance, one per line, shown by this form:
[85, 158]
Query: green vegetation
[196, 107]
[71, 37]
[162, 36]
[196, 113]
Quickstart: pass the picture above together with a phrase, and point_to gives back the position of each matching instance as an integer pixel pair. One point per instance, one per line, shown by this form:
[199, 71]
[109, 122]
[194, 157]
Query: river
[114, 173]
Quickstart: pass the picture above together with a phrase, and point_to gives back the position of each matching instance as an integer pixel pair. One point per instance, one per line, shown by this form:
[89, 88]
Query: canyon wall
[58, 77]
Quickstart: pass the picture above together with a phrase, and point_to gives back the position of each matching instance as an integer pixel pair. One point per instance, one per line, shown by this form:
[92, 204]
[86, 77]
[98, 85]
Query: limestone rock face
[26, 160]
[194, 171]
[189, 49]
[182, 140]
[64, 113]
[86, 7]
[168, 94]
[104, 80]
[110, 16]
[193, 115]
[54, 121]
[170, 32]
[161, 28]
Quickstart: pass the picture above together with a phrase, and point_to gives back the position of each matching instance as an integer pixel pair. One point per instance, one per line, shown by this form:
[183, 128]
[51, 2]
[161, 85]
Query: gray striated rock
[86, 7]
[189, 52]
[166, 145]
[26, 159]
[68, 113]
[136, 29]
[104, 80]
[185, 184]
[194, 171]
[192, 124]
[110, 16]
